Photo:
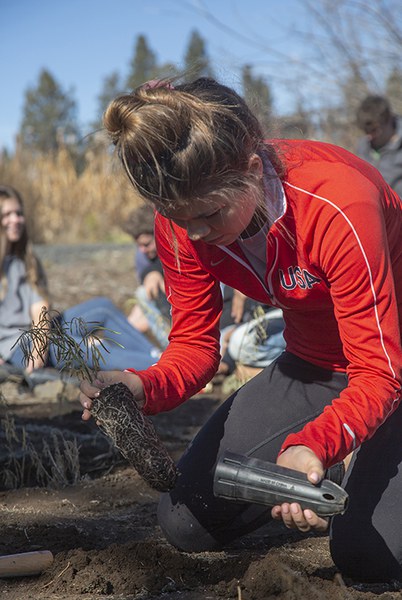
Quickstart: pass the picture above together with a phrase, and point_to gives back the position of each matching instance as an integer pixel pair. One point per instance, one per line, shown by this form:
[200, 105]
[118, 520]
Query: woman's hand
[305, 460]
[89, 390]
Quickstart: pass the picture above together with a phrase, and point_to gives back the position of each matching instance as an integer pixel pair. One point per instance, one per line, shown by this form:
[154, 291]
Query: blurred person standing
[382, 143]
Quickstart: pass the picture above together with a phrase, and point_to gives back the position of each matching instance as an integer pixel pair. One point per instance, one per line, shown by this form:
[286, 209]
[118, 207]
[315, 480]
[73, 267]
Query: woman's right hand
[301, 458]
[89, 390]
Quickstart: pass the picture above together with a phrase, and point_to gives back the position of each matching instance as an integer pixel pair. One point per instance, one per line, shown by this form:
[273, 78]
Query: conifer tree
[143, 65]
[111, 88]
[257, 94]
[49, 116]
[196, 60]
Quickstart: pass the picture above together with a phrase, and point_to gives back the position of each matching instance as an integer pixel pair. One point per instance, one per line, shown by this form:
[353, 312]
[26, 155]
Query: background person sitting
[252, 346]
[151, 311]
[251, 338]
[24, 293]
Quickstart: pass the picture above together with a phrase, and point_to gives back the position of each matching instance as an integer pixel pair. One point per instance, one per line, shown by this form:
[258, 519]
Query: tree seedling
[77, 344]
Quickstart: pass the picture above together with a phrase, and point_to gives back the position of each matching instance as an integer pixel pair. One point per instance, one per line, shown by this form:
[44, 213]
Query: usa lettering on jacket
[297, 276]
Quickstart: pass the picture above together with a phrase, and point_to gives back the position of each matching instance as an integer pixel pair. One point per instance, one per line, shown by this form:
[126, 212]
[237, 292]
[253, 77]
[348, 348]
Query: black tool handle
[241, 478]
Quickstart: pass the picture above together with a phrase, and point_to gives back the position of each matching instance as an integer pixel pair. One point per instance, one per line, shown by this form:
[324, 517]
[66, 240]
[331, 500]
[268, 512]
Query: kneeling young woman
[303, 226]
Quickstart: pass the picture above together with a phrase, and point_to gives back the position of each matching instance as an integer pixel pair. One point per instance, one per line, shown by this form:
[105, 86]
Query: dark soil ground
[96, 515]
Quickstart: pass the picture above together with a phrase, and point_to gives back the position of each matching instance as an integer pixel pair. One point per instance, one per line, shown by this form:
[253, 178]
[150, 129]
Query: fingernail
[314, 477]
[86, 405]
[308, 514]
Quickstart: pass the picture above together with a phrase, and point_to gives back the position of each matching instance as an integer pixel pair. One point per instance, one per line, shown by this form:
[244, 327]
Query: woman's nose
[196, 230]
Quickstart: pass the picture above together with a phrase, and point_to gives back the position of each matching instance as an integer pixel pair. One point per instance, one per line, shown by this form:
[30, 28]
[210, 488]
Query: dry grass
[53, 463]
[64, 206]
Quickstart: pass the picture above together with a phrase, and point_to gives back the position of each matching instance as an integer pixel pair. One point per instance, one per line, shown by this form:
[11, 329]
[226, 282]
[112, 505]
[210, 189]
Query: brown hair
[139, 221]
[22, 248]
[182, 143]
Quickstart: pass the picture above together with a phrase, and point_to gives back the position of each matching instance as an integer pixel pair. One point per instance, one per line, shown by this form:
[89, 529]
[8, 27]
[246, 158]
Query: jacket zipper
[247, 266]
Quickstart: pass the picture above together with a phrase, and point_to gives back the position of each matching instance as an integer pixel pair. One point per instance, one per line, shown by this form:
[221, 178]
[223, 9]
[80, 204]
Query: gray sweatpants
[366, 542]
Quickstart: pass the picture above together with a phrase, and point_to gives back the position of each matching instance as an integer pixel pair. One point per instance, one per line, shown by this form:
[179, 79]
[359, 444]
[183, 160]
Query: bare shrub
[54, 464]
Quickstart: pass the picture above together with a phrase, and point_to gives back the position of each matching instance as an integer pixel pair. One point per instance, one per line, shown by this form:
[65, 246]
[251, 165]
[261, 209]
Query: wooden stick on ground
[26, 563]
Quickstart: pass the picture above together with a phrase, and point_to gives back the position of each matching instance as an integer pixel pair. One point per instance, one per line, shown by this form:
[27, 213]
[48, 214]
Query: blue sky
[82, 41]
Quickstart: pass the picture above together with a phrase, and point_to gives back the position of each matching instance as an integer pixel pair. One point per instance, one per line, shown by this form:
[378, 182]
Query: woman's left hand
[89, 390]
[305, 460]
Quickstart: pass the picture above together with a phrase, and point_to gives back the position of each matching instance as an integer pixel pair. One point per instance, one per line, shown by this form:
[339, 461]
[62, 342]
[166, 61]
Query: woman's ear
[255, 166]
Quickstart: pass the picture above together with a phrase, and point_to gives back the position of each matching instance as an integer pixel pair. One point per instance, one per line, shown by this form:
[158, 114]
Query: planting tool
[26, 563]
[245, 479]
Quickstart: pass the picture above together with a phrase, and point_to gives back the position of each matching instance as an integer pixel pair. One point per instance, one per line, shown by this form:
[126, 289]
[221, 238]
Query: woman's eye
[214, 214]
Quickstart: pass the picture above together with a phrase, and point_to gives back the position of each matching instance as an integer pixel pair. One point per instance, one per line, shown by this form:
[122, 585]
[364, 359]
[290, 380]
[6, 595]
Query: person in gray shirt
[24, 294]
[382, 143]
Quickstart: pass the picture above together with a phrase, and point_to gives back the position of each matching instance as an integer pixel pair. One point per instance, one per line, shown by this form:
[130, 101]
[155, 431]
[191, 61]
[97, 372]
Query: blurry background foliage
[73, 187]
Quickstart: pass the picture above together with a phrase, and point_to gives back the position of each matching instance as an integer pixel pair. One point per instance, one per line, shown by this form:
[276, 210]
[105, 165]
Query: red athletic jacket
[334, 265]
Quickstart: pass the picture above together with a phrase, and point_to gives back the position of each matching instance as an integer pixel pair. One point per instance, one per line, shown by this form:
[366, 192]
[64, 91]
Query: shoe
[236, 380]
[231, 384]
[9, 372]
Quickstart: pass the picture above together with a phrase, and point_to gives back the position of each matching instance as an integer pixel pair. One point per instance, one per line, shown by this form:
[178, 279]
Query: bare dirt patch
[101, 526]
